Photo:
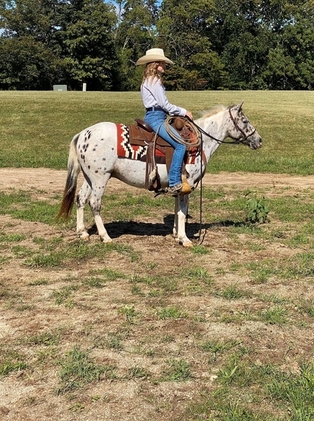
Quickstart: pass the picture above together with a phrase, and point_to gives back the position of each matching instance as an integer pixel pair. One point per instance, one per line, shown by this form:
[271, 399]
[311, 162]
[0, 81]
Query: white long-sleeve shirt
[154, 95]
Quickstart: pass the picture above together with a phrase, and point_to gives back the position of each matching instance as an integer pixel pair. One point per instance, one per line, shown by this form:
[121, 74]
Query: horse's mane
[213, 111]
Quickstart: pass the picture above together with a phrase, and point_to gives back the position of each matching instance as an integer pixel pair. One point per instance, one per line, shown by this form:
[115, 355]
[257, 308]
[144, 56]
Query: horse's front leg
[180, 214]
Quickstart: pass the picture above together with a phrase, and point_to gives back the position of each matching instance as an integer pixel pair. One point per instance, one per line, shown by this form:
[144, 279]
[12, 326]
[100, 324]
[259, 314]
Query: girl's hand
[189, 114]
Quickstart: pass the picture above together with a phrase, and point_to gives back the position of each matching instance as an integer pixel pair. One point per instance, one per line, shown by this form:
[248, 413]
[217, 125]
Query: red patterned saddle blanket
[133, 142]
[137, 140]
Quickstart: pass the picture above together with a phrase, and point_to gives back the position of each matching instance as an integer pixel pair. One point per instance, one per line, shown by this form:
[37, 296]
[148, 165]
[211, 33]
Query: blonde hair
[150, 71]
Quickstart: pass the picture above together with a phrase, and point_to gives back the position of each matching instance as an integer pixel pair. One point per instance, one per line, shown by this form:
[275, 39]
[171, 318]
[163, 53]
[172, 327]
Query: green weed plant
[256, 209]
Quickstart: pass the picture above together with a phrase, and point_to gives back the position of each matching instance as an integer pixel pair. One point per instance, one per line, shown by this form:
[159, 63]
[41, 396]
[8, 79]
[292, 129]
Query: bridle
[235, 141]
[239, 128]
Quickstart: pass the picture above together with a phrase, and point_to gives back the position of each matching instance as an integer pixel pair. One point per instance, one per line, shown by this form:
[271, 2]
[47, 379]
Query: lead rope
[201, 239]
[192, 127]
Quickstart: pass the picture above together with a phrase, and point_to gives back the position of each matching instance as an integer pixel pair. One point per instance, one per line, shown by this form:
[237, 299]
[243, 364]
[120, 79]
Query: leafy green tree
[27, 64]
[265, 44]
[241, 40]
[183, 29]
[28, 18]
[215, 44]
[136, 33]
[72, 38]
[86, 39]
[291, 60]
[27, 59]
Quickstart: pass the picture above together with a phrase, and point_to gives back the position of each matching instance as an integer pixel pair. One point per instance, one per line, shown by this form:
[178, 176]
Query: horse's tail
[71, 181]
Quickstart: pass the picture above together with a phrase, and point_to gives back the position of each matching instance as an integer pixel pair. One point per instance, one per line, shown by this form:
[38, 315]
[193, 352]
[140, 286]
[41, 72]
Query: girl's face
[161, 67]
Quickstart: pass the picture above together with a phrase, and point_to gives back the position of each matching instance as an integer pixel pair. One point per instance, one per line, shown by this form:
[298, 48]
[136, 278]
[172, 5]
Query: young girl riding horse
[158, 107]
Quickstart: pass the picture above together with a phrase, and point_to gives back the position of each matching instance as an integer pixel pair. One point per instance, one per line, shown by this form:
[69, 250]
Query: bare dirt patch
[53, 181]
[94, 316]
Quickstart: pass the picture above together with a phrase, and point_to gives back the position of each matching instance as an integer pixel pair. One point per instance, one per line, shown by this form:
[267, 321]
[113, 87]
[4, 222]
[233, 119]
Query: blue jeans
[156, 119]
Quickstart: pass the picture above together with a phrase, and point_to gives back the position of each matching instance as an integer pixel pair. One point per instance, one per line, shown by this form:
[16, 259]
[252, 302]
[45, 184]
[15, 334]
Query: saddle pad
[127, 150]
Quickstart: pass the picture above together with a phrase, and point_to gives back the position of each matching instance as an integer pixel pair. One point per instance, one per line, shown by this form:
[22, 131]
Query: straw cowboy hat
[154, 54]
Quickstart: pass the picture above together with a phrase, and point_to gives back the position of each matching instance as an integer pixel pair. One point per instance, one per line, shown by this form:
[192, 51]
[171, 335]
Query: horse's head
[241, 130]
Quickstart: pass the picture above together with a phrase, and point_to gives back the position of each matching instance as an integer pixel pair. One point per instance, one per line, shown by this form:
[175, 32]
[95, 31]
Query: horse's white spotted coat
[94, 151]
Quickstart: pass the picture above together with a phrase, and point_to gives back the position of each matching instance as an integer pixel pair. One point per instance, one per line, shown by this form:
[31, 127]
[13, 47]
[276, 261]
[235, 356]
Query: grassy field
[142, 328]
[37, 127]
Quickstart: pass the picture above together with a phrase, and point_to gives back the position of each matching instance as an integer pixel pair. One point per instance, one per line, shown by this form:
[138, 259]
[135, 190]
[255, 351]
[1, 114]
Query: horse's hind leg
[98, 188]
[92, 191]
[81, 201]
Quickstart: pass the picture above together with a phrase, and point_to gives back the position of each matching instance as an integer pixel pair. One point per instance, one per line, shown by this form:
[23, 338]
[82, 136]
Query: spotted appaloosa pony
[95, 151]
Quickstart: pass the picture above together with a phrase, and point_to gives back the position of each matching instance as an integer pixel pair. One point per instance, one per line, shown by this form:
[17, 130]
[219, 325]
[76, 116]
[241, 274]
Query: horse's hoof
[84, 236]
[106, 240]
[187, 244]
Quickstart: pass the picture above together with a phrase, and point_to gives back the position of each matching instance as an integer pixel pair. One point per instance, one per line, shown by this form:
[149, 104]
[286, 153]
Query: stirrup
[175, 190]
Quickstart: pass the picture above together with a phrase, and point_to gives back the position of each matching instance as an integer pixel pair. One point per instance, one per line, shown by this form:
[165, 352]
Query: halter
[235, 142]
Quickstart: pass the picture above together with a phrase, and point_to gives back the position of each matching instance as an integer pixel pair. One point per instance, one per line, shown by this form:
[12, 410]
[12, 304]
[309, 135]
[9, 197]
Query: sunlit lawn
[37, 127]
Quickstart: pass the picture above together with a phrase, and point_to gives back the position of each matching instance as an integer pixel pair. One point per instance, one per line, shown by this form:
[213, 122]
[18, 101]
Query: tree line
[215, 44]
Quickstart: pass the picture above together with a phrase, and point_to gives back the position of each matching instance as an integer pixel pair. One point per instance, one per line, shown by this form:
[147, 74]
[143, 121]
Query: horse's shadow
[118, 228]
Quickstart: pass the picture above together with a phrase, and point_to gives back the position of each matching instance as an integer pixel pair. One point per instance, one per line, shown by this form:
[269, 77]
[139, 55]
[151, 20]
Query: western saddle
[141, 134]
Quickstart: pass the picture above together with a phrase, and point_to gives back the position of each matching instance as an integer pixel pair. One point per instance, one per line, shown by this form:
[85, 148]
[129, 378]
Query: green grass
[130, 314]
[47, 338]
[20, 205]
[292, 391]
[242, 382]
[221, 332]
[78, 369]
[37, 127]
[295, 391]
[171, 313]
[11, 361]
[177, 370]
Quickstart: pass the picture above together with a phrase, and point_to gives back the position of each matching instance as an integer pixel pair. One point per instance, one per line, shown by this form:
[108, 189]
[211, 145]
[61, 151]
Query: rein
[235, 142]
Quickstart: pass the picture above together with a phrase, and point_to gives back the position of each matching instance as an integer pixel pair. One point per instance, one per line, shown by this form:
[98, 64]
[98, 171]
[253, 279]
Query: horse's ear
[239, 106]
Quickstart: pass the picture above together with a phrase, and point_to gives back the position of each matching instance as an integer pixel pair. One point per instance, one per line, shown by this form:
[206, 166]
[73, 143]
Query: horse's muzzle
[255, 142]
